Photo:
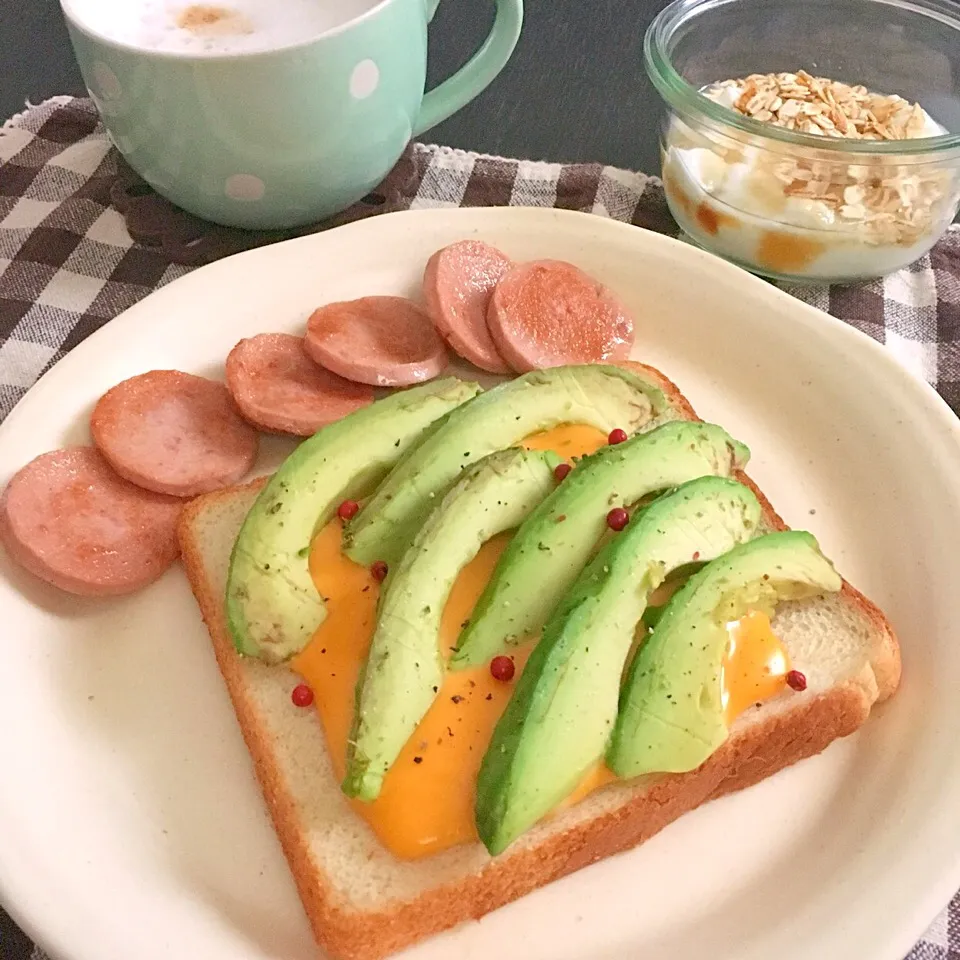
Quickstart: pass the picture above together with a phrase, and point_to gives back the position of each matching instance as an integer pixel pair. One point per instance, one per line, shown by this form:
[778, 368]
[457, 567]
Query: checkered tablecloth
[82, 239]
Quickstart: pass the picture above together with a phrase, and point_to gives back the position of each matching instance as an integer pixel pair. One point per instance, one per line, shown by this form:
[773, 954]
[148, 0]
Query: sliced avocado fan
[405, 666]
[558, 722]
[273, 608]
[601, 395]
[545, 557]
[671, 715]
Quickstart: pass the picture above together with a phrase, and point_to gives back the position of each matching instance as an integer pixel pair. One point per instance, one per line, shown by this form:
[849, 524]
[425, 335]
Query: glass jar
[797, 205]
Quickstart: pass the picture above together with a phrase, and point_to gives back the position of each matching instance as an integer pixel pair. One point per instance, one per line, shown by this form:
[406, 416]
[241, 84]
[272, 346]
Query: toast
[364, 904]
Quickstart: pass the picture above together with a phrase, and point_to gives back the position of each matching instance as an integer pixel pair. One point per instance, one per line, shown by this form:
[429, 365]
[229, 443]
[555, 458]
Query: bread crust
[351, 933]
[737, 764]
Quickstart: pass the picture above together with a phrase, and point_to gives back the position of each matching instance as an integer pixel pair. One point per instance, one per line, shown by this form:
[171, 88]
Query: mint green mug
[283, 136]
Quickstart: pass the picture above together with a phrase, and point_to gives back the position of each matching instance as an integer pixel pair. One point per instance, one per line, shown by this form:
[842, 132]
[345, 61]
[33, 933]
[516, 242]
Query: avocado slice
[558, 722]
[273, 607]
[551, 555]
[671, 715]
[601, 395]
[405, 667]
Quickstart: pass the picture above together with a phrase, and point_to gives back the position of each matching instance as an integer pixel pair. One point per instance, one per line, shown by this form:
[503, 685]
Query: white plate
[130, 823]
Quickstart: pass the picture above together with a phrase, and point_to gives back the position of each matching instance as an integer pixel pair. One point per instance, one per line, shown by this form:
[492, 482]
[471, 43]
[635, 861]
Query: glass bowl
[797, 205]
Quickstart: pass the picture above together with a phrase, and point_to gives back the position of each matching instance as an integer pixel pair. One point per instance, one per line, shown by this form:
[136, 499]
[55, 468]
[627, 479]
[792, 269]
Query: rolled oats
[887, 202]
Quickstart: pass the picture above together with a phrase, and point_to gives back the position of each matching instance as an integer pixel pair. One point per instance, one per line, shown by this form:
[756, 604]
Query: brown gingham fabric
[82, 239]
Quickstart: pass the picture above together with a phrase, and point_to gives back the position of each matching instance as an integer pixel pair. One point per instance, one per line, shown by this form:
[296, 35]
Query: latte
[237, 26]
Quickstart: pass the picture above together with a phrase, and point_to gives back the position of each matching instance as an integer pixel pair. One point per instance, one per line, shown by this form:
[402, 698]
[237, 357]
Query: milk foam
[230, 26]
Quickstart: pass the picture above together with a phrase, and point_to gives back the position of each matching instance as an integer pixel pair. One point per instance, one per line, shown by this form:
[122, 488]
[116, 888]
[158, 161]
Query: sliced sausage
[277, 387]
[71, 521]
[457, 285]
[384, 341]
[172, 432]
[547, 313]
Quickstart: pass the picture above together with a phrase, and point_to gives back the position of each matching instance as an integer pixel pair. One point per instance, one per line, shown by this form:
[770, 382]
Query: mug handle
[478, 72]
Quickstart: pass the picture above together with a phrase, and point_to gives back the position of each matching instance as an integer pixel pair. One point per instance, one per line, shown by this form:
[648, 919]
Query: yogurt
[760, 209]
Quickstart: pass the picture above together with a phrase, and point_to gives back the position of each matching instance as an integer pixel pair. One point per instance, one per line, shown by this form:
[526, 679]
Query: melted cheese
[596, 778]
[755, 667]
[427, 801]
[570, 440]
[426, 804]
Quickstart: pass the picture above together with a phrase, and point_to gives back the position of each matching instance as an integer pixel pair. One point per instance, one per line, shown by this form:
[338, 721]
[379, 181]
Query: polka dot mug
[247, 121]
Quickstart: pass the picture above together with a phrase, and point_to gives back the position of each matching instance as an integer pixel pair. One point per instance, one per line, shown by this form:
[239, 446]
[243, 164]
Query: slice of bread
[364, 904]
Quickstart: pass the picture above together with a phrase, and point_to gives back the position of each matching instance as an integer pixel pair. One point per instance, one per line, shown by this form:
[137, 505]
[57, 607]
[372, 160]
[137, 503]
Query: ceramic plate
[130, 822]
